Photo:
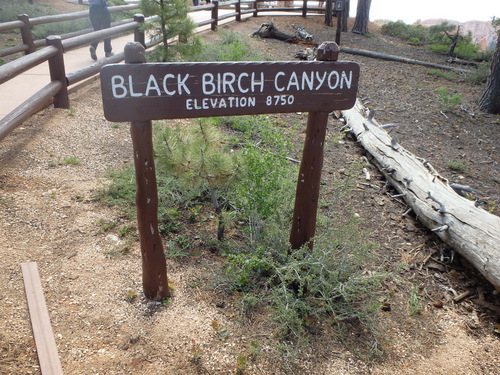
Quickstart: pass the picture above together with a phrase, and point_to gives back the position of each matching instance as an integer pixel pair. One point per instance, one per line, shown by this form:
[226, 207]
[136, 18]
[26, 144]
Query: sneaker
[92, 53]
[109, 54]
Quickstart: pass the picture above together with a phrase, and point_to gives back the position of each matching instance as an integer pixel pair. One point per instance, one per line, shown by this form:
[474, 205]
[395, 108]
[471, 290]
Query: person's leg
[106, 22]
[96, 21]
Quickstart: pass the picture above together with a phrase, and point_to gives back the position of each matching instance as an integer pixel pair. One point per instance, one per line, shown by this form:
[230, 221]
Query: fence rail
[53, 48]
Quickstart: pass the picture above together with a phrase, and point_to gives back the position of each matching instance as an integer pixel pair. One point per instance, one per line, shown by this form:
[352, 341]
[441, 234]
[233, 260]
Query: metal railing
[53, 48]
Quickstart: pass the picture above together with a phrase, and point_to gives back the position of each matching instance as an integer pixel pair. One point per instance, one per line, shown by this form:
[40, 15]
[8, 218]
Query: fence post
[58, 71]
[256, 7]
[215, 15]
[26, 33]
[139, 35]
[304, 8]
[238, 10]
[154, 265]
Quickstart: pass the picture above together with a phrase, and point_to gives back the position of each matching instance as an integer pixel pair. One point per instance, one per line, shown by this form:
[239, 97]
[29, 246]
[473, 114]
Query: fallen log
[268, 30]
[376, 55]
[470, 230]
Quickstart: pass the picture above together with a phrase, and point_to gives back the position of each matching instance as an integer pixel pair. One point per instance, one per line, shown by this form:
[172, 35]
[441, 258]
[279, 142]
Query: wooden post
[308, 183]
[215, 15]
[26, 33]
[256, 7]
[238, 10]
[139, 35]
[304, 8]
[339, 8]
[154, 266]
[58, 71]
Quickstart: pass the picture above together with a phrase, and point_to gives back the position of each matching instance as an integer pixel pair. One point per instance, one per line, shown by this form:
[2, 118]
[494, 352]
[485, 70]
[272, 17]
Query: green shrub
[448, 102]
[449, 75]
[480, 75]
[229, 47]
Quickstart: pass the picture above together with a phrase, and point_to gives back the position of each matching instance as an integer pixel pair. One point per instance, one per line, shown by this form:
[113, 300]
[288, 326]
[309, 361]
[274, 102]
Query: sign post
[141, 92]
[311, 165]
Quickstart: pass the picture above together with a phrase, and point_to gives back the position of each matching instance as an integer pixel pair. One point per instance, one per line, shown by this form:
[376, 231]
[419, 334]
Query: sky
[410, 11]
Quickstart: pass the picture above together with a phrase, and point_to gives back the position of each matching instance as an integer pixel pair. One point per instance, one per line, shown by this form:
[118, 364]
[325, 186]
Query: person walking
[100, 19]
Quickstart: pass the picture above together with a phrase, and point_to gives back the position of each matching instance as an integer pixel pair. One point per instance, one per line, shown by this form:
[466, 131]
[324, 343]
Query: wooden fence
[52, 48]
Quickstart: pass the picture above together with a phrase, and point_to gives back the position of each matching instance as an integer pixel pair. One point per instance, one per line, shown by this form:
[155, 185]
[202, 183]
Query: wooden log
[382, 56]
[470, 230]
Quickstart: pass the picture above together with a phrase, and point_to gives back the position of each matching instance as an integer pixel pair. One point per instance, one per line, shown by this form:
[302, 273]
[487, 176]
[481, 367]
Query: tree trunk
[345, 15]
[490, 100]
[472, 231]
[362, 17]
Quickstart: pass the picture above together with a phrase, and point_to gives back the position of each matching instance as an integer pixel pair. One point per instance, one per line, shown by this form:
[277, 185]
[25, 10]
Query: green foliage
[435, 38]
[200, 156]
[72, 160]
[303, 287]
[480, 75]
[229, 47]
[448, 102]
[457, 166]
[413, 35]
[11, 9]
[197, 153]
[449, 75]
[173, 21]
[415, 307]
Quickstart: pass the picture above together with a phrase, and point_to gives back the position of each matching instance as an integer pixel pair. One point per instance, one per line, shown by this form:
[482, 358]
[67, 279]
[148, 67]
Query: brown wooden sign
[142, 92]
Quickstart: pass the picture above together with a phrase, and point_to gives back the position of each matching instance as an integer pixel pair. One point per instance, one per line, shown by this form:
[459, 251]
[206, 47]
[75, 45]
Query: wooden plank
[40, 321]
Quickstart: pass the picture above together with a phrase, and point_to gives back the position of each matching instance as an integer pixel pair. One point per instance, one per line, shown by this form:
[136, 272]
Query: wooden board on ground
[50, 363]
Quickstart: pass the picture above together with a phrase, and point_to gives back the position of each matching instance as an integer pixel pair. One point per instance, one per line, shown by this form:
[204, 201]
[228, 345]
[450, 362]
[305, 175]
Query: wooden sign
[142, 92]
[339, 5]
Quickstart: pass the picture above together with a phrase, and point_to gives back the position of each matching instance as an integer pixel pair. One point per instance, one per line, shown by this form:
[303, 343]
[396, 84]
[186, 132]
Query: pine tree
[172, 21]
[200, 154]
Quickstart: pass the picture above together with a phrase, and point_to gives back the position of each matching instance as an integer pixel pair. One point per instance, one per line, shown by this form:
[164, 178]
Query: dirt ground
[101, 323]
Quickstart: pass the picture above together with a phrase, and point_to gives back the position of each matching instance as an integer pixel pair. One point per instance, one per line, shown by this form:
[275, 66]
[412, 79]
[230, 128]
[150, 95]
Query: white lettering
[181, 83]
[227, 82]
[293, 81]
[306, 80]
[117, 87]
[320, 79]
[167, 76]
[337, 79]
[208, 85]
[153, 85]
[348, 81]
[240, 88]
[131, 88]
[276, 81]
[258, 83]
